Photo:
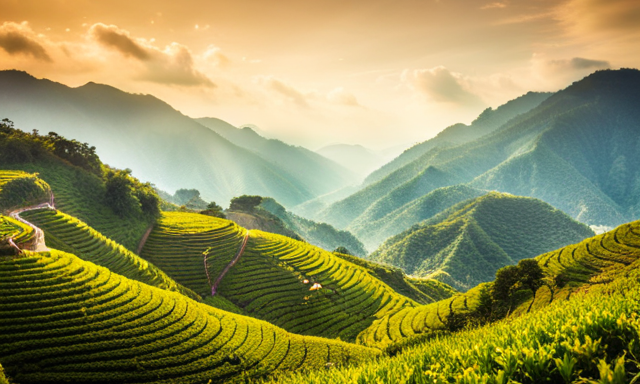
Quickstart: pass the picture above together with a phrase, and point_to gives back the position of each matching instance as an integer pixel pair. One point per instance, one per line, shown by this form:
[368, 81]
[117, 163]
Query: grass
[63, 319]
[80, 194]
[69, 234]
[179, 240]
[268, 282]
[587, 332]
[18, 189]
[593, 261]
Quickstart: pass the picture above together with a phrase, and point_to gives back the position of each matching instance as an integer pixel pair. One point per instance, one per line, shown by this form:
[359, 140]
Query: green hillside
[590, 337]
[69, 234]
[423, 291]
[20, 232]
[568, 270]
[488, 121]
[319, 174]
[178, 243]
[20, 189]
[321, 235]
[138, 131]
[268, 280]
[373, 232]
[67, 320]
[574, 151]
[109, 200]
[466, 244]
[3, 378]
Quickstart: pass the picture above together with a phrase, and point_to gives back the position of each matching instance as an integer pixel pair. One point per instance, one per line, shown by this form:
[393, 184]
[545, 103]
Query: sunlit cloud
[342, 97]
[441, 85]
[561, 72]
[494, 5]
[173, 65]
[213, 55]
[19, 39]
[282, 88]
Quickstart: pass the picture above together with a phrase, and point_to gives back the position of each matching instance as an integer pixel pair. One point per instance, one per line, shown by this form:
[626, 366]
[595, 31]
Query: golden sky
[373, 72]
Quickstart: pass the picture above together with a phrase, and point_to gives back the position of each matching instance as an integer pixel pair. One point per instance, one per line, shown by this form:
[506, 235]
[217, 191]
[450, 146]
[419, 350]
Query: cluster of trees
[124, 194]
[513, 283]
[245, 203]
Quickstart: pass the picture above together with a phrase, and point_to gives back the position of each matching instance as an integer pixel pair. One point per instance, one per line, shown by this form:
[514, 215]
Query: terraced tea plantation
[69, 234]
[81, 195]
[276, 280]
[594, 261]
[180, 243]
[20, 232]
[63, 319]
[18, 188]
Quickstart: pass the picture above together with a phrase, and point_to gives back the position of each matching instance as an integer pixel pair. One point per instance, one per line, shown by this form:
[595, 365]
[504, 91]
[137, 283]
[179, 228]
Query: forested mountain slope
[466, 244]
[573, 151]
[319, 174]
[157, 142]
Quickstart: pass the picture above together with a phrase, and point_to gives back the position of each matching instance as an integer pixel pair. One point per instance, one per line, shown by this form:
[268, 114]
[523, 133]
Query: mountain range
[574, 150]
[165, 147]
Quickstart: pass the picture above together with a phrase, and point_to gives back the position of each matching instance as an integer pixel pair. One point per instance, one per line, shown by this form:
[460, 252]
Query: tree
[214, 210]
[245, 203]
[506, 279]
[342, 250]
[530, 274]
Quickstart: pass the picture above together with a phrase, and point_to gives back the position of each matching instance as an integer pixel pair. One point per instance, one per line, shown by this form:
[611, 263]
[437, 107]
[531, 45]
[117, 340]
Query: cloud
[494, 5]
[113, 37]
[441, 85]
[213, 55]
[342, 97]
[284, 89]
[567, 69]
[173, 65]
[19, 39]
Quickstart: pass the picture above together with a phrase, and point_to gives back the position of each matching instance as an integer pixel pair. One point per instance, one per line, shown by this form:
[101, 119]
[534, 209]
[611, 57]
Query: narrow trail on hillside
[38, 242]
[214, 286]
[144, 239]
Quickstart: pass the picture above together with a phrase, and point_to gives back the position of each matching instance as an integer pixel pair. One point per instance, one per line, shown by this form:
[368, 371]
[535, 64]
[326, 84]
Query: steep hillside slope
[67, 320]
[21, 189]
[469, 242]
[319, 234]
[574, 151]
[138, 131]
[69, 234]
[274, 278]
[423, 291]
[488, 121]
[374, 230]
[569, 270]
[319, 174]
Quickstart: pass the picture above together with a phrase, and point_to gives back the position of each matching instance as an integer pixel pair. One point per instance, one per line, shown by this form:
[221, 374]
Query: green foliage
[321, 235]
[214, 210]
[18, 189]
[3, 378]
[67, 320]
[590, 338]
[69, 234]
[245, 203]
[342, 250]
[466, 244]
[129, 197]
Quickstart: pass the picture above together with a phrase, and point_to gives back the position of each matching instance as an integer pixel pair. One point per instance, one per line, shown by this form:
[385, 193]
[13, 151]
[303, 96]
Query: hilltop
[139, 131]
[558, 152]
[466, 244]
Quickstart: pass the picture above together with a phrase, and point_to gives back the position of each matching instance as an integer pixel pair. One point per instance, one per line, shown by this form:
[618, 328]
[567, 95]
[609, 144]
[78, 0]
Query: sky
[372, 72]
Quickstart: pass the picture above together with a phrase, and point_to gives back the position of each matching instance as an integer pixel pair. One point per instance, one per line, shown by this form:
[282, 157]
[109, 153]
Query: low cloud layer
[113, 37]
[442, 86]
[563, 71]
[18, 39]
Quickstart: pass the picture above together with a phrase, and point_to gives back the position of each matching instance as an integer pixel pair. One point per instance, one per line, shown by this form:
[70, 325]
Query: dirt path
[214, 286]
[38, 243]
[144, 239]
